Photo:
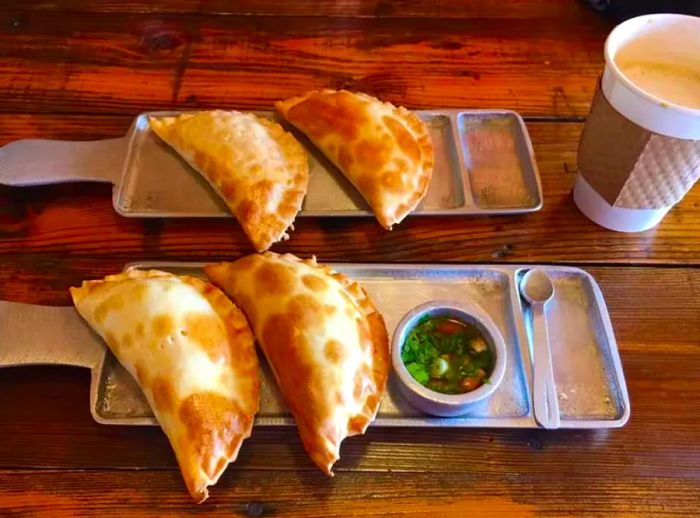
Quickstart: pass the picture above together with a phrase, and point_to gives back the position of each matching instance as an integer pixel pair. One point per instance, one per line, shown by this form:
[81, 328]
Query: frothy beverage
[675, 83]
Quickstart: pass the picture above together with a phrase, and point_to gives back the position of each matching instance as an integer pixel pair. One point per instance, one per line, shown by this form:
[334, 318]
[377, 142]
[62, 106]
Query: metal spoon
[537, 289]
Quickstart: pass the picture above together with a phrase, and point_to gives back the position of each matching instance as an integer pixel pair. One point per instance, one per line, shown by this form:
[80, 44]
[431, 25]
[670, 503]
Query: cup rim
[491, 333]
[619, 75]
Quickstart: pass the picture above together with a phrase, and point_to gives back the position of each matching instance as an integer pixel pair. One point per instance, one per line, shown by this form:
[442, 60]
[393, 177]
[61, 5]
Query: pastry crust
[323, 338]
[257, 168]
[385, 151]
[193, 354]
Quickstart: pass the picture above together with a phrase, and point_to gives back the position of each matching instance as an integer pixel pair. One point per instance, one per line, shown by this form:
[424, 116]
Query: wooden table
[82, 69]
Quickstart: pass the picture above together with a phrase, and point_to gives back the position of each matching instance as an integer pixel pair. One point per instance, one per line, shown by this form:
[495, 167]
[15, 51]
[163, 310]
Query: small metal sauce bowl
[436, 403]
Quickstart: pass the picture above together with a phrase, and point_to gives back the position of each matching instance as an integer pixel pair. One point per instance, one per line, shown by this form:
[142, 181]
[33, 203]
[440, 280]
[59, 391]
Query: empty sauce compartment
[445, 191]
[499, 160]
[586, 365]
[584, 369]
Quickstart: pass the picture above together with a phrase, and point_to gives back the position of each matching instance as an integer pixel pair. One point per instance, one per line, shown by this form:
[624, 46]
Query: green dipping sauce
[447, 355]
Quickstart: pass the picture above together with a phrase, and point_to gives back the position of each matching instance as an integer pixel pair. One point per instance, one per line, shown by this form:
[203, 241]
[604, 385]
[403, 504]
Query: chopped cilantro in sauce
[447, 355]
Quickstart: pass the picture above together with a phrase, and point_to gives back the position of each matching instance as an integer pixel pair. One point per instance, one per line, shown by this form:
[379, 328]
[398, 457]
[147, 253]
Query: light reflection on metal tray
[587, 367]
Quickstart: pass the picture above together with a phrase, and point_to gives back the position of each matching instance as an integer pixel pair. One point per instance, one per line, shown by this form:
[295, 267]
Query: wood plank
[346, 8]
[119, 64]
[56, 225]
[254, 493]
[45, 419]
[17, 126]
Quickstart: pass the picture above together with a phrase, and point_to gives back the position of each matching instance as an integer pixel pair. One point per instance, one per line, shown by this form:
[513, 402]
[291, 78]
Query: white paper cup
[667, 40]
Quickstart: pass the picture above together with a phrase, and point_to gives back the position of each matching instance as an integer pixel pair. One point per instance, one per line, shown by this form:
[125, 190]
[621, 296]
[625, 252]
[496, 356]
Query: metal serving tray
[484, 164]
[587, 369]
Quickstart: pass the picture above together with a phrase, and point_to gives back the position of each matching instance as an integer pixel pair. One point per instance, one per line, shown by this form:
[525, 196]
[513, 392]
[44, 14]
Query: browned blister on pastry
[323, 338]
[257, 168]
[193, 355]
[383, 150]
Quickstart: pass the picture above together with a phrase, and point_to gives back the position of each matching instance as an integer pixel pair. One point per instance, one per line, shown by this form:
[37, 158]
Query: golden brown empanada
[193, 354]
[325, 341]
[384, 151]
[259, 169]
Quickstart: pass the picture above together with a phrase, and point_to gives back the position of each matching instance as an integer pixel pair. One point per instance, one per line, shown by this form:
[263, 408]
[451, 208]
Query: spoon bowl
[536, 286]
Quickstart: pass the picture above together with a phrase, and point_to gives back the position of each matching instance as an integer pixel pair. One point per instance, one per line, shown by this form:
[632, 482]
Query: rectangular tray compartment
[494, 146]
[578, 335]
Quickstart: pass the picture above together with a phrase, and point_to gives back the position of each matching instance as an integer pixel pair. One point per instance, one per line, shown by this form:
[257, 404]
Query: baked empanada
[259, 170]
[193, 354]
[384, 151]
[326, 344]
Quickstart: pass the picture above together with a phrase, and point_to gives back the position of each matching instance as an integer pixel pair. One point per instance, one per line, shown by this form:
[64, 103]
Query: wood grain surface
[119, 63]
[81, 70]
[344, 8]
[355, 494]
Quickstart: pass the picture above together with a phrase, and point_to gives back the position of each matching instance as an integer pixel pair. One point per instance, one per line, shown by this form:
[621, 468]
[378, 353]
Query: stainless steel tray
[587, 369]
[484, 164]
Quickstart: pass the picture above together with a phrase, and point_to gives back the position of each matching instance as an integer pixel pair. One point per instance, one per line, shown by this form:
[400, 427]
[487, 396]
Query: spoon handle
[545, 393]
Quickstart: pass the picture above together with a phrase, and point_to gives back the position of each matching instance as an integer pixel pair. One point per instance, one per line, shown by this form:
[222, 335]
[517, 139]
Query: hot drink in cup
[640, 150]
